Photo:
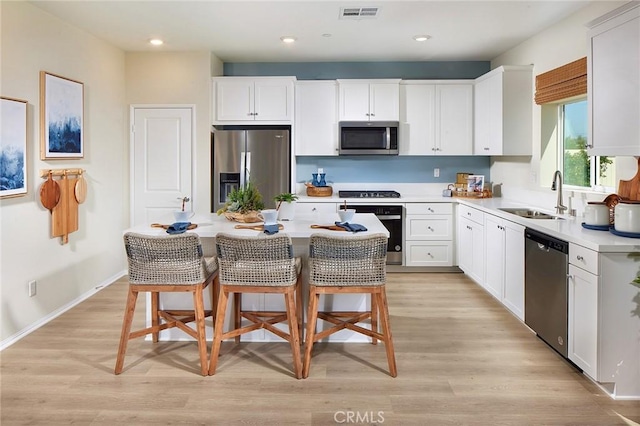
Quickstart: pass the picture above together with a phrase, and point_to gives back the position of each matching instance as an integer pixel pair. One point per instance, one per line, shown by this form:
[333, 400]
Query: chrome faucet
[557, 178]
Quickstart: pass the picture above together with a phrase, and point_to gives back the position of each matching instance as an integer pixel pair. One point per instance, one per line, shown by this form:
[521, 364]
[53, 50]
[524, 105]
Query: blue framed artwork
[61, 117]
[13, 147]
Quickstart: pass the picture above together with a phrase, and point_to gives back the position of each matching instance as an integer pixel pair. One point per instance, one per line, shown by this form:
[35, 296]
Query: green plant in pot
[285, 204]
[243, 204]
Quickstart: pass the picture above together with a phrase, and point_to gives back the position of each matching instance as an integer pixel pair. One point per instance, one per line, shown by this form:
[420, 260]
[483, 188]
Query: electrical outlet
[32, 288]
[436, 172]
[534, 177]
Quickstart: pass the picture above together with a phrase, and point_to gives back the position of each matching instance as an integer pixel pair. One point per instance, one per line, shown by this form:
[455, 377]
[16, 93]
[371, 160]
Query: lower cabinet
[504, 274]
[317, 210]
[429, 234]
[470, 242]
[583, 308]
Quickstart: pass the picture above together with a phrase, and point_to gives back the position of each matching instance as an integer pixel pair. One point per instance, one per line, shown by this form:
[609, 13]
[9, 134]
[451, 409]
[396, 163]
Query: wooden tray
[484, 194]
[163, 226]
[330, 227]
[319, 191]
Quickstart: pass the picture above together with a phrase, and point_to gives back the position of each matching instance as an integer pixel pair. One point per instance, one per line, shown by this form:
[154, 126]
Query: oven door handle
[389, 217]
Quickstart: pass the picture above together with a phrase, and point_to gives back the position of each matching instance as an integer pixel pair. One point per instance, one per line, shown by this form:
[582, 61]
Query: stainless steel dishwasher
[545, 288]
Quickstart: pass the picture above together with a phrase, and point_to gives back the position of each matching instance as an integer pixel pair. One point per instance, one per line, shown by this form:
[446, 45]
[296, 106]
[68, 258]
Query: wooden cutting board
[630, 189]
[50, 193]
[163, 226]
[59, 212]
[256, 227]
[330, 227]
[72, 206]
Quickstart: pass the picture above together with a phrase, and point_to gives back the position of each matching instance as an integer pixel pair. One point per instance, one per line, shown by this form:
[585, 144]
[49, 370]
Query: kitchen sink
[530, 213]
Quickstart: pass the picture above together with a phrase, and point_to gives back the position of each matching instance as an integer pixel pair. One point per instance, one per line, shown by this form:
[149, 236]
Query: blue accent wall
[392, 169]
[333, 70]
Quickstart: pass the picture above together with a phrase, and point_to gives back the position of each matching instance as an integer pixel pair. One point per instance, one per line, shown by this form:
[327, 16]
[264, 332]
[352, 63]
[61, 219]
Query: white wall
[178, 78]
[523, 177]
[33, 40]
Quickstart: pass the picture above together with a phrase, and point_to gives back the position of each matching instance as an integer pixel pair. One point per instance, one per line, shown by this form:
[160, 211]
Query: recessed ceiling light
[326, 35]
[288, 39]
[421, 37]
[156, 41]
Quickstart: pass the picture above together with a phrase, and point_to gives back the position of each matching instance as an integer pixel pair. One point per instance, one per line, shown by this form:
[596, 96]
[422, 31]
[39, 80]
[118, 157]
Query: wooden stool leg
[215, 288]
[312, 317]
[299, 309]
[374, 317]
[386, 331]
[237, 309]
[130, 308]
[155, 317]
[218, 328]
[198, 303]
[294, 336]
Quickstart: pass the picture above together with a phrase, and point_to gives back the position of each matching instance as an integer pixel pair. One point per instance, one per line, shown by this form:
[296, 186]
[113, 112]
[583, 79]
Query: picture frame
[475, 184]
[13, 147]
[61, 117]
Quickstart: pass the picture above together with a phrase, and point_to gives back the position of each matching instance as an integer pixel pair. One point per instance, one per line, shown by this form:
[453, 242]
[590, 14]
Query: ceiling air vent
[358, 12]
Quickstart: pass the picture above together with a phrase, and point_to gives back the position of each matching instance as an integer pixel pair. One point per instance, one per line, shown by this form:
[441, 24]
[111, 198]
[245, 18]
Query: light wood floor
[462, 359]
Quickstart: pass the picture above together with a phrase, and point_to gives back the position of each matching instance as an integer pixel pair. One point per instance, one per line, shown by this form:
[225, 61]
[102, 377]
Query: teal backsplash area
[391, 169]
[444, 70]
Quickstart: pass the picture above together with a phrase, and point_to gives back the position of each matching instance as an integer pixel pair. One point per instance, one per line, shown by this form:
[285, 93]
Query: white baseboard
[33, 327]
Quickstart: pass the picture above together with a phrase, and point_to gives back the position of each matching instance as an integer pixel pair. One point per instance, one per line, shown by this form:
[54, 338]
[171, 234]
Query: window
[578, 168]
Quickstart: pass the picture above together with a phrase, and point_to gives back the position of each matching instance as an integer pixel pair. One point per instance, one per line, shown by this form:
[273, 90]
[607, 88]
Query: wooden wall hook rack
[44, 173]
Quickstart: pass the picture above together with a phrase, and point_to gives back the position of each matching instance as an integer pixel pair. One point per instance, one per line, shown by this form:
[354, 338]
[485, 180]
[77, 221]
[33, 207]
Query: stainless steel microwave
[368, 138]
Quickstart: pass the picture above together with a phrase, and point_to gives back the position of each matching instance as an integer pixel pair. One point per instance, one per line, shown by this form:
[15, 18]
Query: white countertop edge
[569, 229]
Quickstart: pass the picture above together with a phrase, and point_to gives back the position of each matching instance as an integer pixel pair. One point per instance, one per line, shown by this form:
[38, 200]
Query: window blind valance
[563, 82]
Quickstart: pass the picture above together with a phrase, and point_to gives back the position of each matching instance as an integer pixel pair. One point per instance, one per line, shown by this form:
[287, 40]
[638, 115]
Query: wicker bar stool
[340, 265]
[159, 264]
[262, 264]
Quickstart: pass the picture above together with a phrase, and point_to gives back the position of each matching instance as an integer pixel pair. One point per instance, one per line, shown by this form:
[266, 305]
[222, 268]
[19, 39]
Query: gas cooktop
[368, 194]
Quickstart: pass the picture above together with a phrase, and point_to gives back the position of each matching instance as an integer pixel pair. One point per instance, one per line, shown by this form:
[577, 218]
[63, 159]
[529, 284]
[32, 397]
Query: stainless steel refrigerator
[260, 156]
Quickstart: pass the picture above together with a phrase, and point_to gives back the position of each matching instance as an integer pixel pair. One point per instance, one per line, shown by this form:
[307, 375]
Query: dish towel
[353, 227]
[271, 229]
[178, 227]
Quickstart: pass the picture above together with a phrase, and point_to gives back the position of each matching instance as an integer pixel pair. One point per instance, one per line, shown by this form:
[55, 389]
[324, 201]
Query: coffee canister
[596, 213]
[627, 216]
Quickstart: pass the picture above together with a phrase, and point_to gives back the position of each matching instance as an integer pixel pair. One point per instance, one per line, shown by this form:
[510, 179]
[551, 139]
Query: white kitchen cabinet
[429, 234]
[248, 99]
[327, 212]
[470, 242]
[436, 118]
[583, 319]
[503, 103]
[613, 82]
[504, 273]
[369, 100]
[316, 118]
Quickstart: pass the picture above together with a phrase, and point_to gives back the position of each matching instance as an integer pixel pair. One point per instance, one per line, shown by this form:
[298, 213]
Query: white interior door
[162, 140]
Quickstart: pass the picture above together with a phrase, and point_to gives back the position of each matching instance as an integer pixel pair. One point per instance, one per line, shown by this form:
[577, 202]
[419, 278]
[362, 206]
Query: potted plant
[243, 204]
[285, 204]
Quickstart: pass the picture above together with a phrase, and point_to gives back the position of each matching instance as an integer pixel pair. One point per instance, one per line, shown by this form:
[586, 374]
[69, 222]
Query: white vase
[287, 210]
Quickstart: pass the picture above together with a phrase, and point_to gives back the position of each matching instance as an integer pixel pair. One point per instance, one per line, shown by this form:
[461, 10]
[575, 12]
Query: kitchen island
[299, 230]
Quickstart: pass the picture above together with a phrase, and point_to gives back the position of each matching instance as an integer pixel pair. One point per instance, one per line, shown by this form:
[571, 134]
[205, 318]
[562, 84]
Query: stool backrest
[261, 260]
[353, 260]
[171, 259]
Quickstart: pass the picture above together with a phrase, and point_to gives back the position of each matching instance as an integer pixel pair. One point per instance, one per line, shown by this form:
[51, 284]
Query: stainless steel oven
[391, 218]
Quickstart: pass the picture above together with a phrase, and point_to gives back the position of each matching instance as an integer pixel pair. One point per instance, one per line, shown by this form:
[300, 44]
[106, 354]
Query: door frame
[194, 138]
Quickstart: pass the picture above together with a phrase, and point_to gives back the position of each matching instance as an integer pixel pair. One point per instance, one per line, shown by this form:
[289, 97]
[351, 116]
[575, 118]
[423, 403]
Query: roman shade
[563, 82]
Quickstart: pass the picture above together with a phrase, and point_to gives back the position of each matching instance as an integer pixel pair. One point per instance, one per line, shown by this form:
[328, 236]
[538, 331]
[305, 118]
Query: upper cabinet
[248, 99]
[503, 105]
[316, 125]
[436, 117]
[613, 82]
[369, 100]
